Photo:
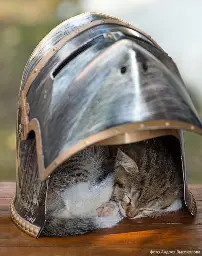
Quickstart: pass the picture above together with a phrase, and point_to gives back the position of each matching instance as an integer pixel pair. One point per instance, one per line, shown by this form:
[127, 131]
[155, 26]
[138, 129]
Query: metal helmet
[94, 79]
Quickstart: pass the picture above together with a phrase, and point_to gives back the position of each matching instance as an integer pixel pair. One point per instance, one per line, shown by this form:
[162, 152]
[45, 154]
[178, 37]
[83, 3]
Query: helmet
[93, 80]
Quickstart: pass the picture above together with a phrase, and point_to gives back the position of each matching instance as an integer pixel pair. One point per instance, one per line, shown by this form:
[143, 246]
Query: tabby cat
[100, 186]
[79, 192]
[148, 178]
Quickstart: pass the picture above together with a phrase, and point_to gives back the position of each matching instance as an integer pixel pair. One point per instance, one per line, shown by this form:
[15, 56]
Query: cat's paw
[106, 209]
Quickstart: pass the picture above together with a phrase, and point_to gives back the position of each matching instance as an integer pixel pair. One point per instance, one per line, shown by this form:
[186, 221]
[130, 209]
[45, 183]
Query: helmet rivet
[142, 125]
[167, 124]
[35, 71]
[110, 36]
[86, 142]
[192, 127]
[117, 130]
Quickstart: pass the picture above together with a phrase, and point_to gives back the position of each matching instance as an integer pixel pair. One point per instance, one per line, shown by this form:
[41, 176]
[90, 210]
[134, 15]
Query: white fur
[111, 220]
[82, 200]
[175, 206]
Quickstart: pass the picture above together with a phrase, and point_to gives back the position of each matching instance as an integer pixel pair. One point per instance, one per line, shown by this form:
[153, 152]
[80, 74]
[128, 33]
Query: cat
[148, 179]
[99, 186]
[79, 192]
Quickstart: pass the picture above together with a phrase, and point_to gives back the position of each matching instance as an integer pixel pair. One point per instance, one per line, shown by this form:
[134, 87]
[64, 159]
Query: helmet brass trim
[33, 125]
[21, 223]
[131, 137]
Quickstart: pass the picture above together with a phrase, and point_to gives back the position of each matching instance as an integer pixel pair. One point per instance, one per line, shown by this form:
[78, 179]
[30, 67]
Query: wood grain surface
[173, 234]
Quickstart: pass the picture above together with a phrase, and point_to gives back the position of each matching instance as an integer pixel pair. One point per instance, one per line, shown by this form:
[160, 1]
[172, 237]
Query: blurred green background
[23, 23]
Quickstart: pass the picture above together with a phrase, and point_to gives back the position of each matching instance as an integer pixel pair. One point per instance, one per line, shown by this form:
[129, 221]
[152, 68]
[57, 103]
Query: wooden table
[141, 237]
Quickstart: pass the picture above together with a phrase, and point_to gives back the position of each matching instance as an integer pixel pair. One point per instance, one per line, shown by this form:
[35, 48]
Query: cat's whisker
[147, 209]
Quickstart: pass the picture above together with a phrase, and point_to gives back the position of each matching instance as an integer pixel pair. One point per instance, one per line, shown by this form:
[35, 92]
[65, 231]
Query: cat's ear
[126, 162]
[121, 174]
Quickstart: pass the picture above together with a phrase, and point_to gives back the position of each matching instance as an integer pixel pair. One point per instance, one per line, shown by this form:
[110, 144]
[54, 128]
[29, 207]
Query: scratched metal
[84, 99]
[30, 190]
[58, 33]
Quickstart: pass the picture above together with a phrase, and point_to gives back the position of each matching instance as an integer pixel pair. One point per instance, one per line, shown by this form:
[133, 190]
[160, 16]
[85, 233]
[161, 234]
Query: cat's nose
[131, 213]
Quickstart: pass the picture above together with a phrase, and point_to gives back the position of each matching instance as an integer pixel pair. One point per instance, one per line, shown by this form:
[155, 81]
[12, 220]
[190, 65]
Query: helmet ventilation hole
[123, 70]
[144, 66]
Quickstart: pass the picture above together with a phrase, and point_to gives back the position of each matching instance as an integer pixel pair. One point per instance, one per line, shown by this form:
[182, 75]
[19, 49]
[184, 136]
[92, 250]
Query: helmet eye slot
[75, 54]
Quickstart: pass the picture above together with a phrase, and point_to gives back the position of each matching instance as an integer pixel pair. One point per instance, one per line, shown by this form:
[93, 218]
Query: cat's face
[140, 193]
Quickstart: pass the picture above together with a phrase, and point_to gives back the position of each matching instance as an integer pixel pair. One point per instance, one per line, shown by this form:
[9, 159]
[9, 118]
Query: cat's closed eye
[120, 185]
[127, 200]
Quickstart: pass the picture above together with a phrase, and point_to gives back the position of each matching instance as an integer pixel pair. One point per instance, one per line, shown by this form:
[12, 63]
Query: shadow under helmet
[94, 79]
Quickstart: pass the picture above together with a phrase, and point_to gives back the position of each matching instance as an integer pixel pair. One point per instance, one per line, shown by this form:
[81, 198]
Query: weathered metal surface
[99, 90]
